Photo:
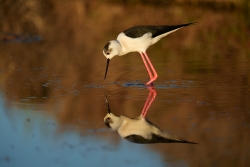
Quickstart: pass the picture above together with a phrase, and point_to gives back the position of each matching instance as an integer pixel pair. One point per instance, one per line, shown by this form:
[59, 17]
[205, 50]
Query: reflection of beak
[107, 68]
[107, 103]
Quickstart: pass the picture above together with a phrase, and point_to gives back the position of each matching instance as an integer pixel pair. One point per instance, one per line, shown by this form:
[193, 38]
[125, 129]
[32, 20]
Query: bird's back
[138, 31]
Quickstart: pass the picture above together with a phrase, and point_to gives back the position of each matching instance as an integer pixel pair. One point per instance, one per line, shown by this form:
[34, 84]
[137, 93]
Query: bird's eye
[107, 53]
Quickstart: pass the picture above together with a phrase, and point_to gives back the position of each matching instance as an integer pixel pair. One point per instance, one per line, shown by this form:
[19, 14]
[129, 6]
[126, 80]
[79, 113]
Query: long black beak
[106, 68]
[107, 103]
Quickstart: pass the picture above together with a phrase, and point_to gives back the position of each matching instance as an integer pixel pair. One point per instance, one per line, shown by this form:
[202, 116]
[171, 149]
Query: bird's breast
[136, 127]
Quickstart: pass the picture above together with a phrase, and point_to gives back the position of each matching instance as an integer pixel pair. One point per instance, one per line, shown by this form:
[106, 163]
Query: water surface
[52, 101]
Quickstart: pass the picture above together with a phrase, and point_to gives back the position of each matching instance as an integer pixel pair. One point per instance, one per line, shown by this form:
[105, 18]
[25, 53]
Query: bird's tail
[174, 139]
[184, 141]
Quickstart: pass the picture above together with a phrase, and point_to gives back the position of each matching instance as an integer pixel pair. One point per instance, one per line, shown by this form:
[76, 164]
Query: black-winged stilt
[139, 130]
[138, 39]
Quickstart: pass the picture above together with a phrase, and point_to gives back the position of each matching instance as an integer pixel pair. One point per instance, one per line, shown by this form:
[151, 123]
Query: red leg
[151, 96]
[155, 75]
[146, 65]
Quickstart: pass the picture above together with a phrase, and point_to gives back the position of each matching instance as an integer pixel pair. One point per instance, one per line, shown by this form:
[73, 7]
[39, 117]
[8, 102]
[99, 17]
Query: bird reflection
[140, 129]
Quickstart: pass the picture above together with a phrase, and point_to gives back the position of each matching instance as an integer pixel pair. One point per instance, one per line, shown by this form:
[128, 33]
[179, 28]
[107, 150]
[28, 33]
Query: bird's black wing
[155, 139]
[137, 139]
[138, 31]
[160, 139]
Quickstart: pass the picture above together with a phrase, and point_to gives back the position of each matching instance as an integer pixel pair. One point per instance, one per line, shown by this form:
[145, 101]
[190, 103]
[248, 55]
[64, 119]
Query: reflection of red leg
[146, 65]
[151, 96]
[146, 104]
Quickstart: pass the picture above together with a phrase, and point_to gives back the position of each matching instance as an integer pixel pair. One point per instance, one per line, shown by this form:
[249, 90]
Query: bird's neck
[123, 50]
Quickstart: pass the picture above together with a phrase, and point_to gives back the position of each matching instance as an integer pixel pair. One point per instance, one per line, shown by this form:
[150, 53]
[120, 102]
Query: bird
[139, 130]
[139, 39]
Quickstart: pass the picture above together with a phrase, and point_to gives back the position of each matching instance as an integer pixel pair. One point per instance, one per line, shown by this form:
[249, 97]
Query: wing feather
[138, 31]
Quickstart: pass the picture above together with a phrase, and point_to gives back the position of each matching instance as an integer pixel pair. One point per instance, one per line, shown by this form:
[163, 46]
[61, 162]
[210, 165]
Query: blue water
[31, 138]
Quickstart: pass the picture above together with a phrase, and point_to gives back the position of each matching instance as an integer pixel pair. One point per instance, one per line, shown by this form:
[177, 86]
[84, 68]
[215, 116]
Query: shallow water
[52, 101]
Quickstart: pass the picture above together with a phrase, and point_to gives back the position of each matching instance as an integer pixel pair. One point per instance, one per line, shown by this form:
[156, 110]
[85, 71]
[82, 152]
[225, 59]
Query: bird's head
[113, 122]
[111, 49]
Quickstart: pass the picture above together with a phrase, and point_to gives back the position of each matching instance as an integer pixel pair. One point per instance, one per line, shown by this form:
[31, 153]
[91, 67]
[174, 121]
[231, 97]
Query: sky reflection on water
[28, 133]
